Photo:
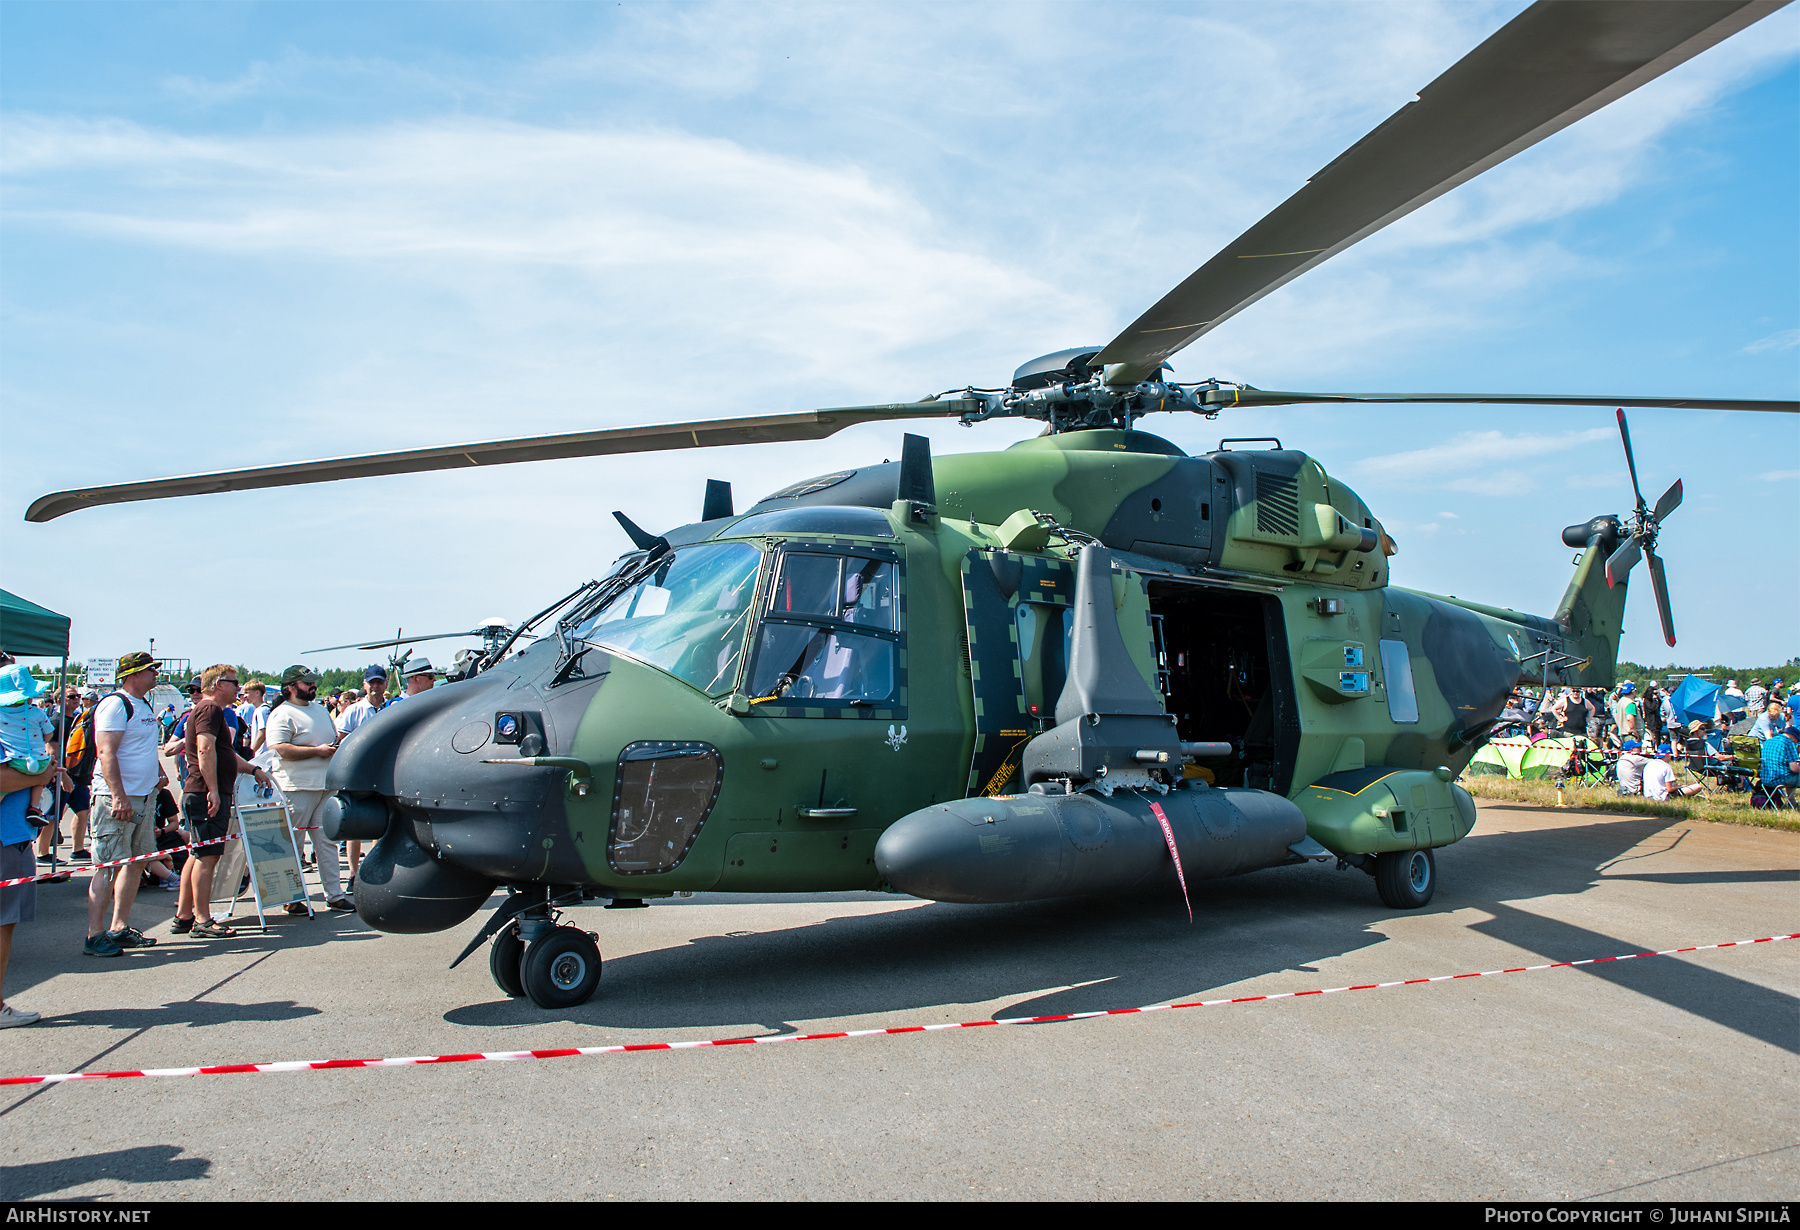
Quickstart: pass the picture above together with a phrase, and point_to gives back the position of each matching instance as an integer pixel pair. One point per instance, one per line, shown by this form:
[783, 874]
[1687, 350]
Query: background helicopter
[493, 632]
[1251, 627]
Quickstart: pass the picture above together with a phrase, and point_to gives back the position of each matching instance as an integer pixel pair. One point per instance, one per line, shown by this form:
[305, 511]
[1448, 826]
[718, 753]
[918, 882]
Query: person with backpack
[76, 778]
[124, 803]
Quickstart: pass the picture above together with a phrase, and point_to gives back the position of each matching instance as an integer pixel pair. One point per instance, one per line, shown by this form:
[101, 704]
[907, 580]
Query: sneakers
[83, 855]
[210, 930]
[11, 1016]
[295, 907]
[100, 946]
[130, 937]
[181, 926]
[341, 904]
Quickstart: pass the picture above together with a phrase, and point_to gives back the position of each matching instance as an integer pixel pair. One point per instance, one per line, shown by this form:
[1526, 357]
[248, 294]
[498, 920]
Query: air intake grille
[1277, 505]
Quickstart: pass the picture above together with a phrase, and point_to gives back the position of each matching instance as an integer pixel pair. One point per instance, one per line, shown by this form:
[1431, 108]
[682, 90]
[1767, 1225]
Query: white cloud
[1475, 461]
[1775, 343]
[685, 237]
[1779, 476]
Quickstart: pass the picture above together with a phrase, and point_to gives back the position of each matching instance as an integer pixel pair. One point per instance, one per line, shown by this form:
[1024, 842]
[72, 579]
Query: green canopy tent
[28, 630]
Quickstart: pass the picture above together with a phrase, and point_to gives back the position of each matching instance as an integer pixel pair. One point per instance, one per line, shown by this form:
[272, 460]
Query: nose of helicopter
[451, 824]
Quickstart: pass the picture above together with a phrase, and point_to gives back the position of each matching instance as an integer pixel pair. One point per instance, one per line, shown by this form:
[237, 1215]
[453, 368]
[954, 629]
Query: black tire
[1406, 879]
[504, 957]
[561, 968]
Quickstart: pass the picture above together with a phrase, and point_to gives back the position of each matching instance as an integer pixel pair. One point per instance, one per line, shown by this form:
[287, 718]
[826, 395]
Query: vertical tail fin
[1592, 611]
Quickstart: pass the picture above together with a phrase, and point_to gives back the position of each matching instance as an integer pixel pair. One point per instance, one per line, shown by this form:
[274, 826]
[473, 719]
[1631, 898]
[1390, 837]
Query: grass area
[1721, 808]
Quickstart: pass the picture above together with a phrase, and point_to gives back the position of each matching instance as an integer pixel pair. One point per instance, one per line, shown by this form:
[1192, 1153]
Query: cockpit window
[846, 588]
[688, 617]
[831, 632]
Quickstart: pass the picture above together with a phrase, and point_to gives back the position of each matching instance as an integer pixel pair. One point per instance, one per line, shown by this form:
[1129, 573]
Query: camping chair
[1588, 765]
[1777, 797]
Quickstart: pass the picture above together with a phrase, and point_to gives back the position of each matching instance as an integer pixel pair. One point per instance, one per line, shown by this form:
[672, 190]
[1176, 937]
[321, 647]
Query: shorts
[79, 797]
[203, 827]
[19, 903]
[113, 839]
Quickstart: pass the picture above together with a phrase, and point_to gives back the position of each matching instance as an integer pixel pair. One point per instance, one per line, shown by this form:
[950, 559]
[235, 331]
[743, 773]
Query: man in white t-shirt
[300, 733]
[1659, 778]
[127, 776]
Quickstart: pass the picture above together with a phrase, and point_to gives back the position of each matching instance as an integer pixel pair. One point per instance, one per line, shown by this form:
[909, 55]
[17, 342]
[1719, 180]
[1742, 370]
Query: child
[22, 731]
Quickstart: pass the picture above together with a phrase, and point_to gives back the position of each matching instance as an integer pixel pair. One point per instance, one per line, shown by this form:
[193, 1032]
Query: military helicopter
[492, 632]
[1087, 664]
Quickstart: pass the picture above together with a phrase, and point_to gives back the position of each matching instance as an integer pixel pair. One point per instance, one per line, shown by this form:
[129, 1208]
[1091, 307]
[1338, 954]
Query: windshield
[687, 617]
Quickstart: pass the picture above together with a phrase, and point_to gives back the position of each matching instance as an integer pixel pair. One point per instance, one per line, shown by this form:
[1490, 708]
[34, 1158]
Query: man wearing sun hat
[419, 675]
[127, 776]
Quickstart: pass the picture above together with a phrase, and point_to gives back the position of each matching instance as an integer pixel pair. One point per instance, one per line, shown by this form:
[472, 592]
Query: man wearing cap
[124, 803]
[374, 701]
[1631, 768]
[1628, 721]
[419, 676]
[1756, 699]
[301, 734]
[1659, 777]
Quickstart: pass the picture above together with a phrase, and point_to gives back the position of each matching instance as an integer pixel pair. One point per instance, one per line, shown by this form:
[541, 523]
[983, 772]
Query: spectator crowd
[1635, 738]
[155, 791]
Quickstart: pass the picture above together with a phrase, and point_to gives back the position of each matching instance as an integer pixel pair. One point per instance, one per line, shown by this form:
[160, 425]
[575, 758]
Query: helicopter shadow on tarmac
[143, 1164]
[1129, 951]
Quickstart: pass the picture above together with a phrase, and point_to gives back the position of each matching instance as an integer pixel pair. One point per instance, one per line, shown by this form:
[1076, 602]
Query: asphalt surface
[1664, 1078]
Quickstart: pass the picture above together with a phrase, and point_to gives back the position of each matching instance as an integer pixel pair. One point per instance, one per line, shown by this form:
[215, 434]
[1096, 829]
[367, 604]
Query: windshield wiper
[489, 660]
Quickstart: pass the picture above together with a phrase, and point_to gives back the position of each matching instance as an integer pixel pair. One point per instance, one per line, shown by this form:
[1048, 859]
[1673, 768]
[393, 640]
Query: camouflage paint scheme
[1269, 527]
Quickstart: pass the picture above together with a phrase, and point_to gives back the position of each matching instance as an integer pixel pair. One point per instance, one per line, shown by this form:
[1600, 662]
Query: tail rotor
[1640, 537]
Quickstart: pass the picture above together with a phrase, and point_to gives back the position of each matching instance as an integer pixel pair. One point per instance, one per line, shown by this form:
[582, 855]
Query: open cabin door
[1226, 677]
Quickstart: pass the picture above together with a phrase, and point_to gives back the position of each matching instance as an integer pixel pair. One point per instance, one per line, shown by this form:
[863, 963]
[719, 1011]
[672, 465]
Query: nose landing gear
[553, 966]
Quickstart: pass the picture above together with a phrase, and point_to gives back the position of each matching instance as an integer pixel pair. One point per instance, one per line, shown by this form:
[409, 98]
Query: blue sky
[242, 234]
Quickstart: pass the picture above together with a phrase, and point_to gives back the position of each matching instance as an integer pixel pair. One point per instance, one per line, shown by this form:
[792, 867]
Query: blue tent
[1695, 699]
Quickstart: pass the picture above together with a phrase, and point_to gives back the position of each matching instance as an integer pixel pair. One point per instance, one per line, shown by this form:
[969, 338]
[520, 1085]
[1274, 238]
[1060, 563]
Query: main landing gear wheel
[561, 968]
[504, 956]
[1406, 879]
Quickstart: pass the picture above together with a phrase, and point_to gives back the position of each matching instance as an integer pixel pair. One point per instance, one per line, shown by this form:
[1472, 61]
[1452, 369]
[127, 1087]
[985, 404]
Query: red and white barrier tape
[139, 858]
[305, 1065]
[118, 862]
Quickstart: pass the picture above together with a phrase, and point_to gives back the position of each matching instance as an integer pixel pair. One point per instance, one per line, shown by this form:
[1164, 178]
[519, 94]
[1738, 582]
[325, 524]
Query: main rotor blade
[1660, 584]
[804, 425]
[1622, 561]
[1248, 396]
[1630, 461]
[405, 640]
[1671, 500]
[1542, 71]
